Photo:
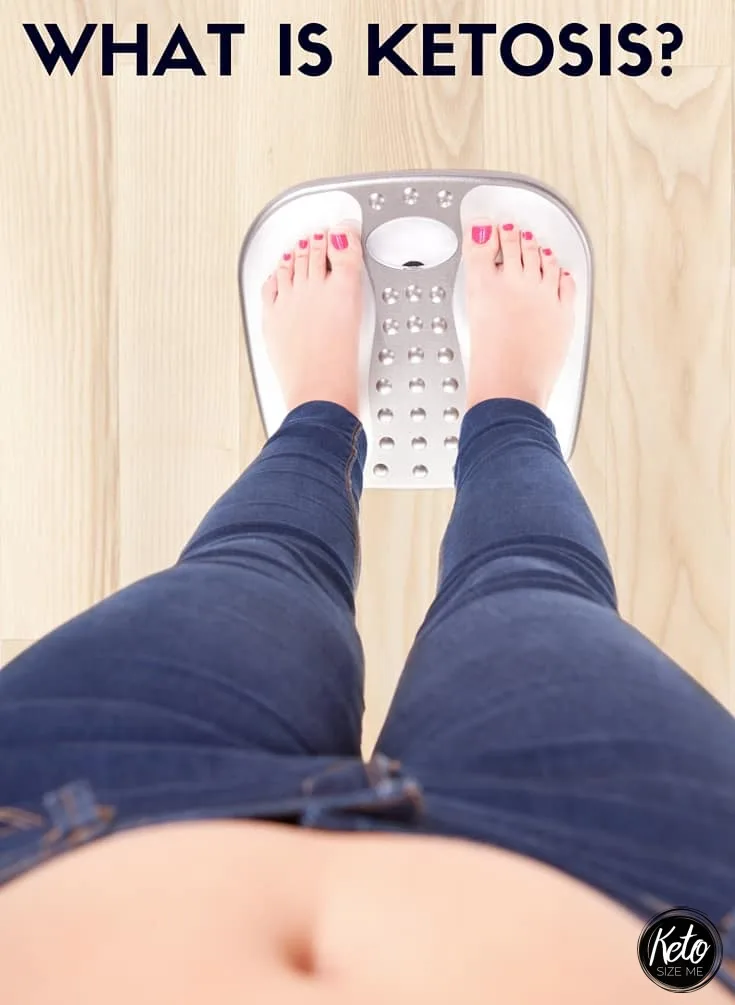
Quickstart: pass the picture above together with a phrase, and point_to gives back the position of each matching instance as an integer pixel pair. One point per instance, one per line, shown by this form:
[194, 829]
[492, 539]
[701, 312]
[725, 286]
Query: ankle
[347, 399]
[517, 389]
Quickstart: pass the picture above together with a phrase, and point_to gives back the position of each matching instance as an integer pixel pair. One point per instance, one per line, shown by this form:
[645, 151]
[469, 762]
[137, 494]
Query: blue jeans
[529, 715]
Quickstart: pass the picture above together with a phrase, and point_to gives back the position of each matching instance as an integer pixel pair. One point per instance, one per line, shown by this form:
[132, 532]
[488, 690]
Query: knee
[555, 565]
[305, 565]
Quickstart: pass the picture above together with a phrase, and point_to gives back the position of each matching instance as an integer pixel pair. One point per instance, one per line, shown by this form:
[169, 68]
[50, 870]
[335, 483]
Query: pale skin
[233, 911]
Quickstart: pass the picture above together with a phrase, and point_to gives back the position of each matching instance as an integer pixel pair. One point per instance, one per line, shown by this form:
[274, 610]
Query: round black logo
[680, 950]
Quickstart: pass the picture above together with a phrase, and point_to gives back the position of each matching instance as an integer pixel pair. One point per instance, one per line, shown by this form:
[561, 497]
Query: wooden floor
[126, 405]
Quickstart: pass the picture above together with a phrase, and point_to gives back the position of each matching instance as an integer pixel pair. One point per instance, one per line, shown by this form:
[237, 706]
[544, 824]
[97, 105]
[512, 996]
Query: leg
[249, 641]
[530, 710]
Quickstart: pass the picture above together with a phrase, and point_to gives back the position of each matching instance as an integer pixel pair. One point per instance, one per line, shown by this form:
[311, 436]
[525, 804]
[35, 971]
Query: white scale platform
[414, 341]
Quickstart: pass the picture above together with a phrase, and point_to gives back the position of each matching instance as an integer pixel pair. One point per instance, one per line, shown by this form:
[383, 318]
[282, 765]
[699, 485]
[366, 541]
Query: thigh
[550, 726]
[237, 652]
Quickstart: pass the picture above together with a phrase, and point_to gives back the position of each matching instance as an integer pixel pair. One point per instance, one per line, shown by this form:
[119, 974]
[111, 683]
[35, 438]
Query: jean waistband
[347, 794]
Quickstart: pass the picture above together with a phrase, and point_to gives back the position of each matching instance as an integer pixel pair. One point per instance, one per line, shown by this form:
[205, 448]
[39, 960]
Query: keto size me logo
[680, 950]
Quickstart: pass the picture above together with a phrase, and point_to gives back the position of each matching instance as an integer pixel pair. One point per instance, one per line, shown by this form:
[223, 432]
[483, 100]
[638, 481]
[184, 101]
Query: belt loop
[380, 768]
[74, 813]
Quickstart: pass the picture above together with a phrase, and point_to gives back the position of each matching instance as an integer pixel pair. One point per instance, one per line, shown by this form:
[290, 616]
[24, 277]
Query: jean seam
[349, 466]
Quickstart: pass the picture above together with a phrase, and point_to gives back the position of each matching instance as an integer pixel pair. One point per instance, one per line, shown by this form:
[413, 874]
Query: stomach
[236, 912]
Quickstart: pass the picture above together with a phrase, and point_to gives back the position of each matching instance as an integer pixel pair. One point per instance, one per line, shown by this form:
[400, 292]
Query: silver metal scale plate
[414, 344]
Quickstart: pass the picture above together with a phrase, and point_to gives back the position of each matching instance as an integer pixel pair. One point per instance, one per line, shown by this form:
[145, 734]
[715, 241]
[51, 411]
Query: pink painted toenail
[481, 235]
[287, 257]
[318, 237]
[548, 251]
[527, 235]
[303, 244]
[339, 241]
[565, 273]
[507, 226]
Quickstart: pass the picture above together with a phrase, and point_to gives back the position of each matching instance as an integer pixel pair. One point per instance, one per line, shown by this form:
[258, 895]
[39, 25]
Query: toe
[550, 267]
[567, 287]
[510, 245]
[530, 255]
[345, 246]
[481, 246]
[270, 290]
[318, 255]
[301, 260]
[284, 274]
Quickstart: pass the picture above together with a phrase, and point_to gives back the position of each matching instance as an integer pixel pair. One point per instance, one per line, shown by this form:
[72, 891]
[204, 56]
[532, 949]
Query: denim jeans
[529, 715]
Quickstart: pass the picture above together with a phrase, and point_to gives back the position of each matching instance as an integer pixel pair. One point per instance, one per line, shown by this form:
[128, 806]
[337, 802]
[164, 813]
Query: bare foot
[521, 315]
[312, 318]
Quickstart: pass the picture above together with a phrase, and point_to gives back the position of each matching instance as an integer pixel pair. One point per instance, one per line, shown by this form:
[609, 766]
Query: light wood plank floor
[126, 405]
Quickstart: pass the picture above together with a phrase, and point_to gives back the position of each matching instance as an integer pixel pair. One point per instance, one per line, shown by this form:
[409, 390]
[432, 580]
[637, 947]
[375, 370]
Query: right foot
[521, 315]
[312, 315]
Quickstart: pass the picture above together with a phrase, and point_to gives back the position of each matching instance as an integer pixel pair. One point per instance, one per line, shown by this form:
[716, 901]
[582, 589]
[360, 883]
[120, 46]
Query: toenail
[507, 226]
[339, 241]
[303, 244]
[565, 273]
[548, 251]
[481, 235]
[287, 257]
[527, 235]
[318, 237]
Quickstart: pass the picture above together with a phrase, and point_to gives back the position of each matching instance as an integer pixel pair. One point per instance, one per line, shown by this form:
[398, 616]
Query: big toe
[345, 246]
[481, 246]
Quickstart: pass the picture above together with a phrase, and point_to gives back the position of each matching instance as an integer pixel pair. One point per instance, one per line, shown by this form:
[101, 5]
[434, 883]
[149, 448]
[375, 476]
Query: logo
[680, 950]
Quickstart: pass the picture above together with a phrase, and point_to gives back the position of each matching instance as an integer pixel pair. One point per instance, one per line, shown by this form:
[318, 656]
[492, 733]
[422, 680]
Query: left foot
[312, 318]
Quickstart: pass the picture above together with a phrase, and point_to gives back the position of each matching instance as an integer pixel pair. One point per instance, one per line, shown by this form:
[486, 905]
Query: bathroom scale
[414, 341]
